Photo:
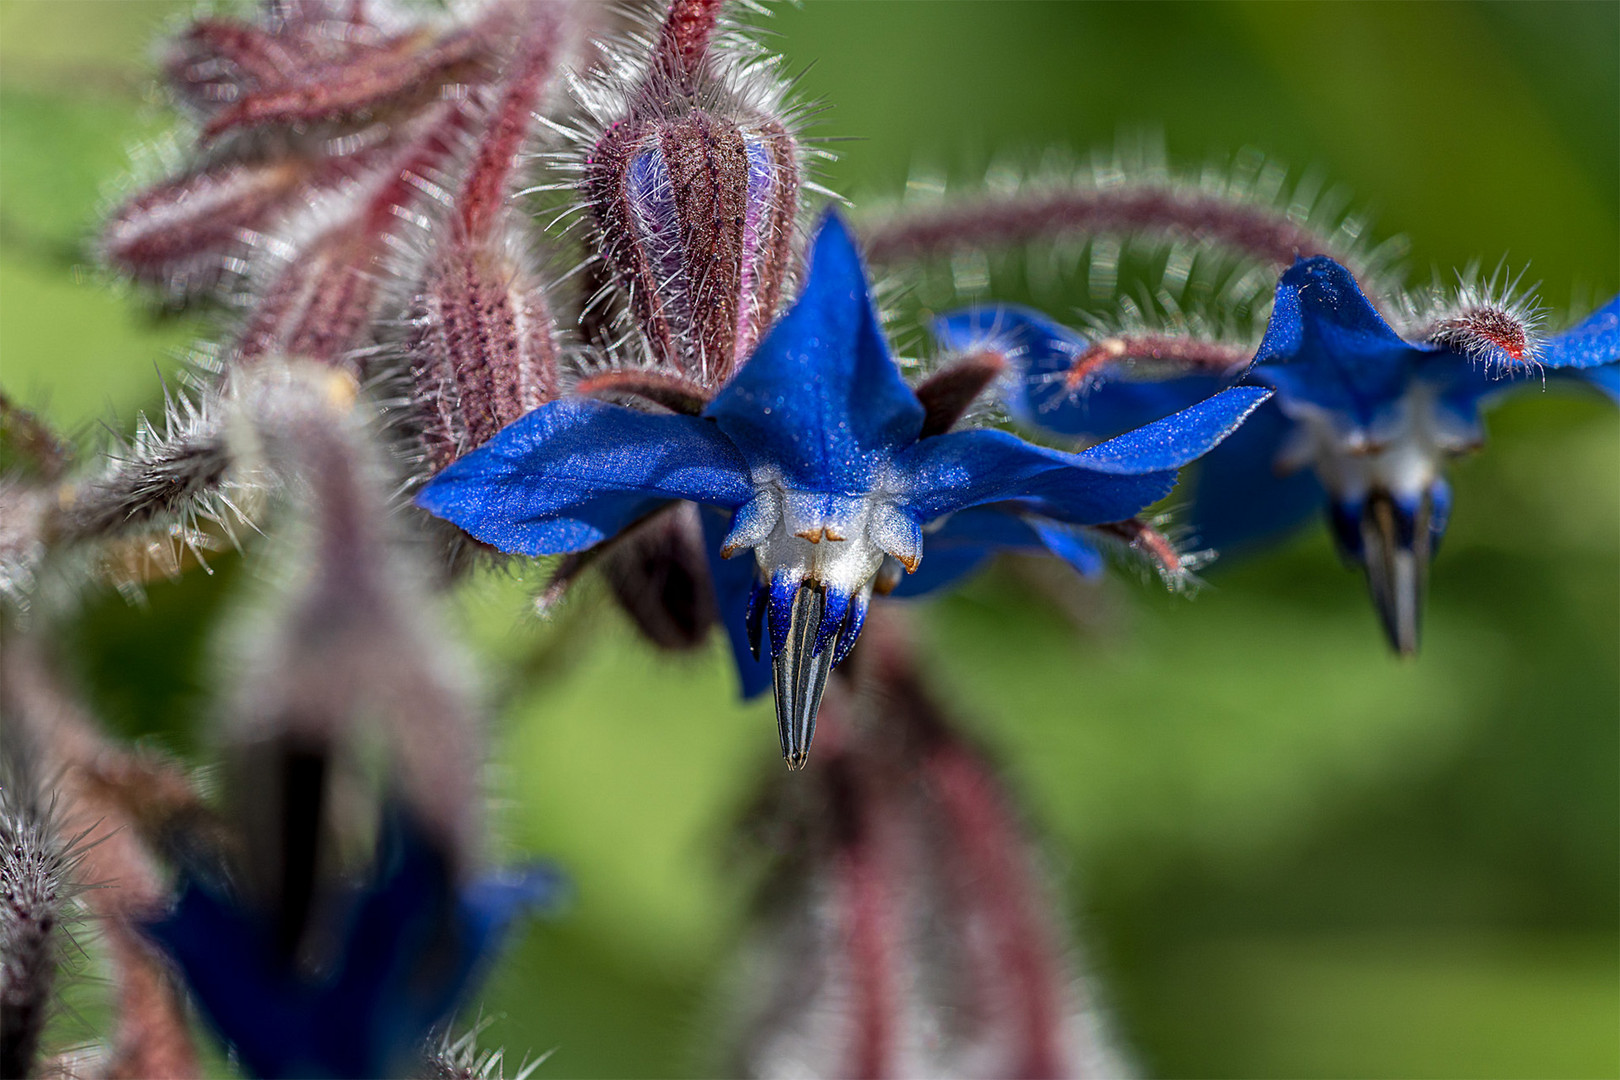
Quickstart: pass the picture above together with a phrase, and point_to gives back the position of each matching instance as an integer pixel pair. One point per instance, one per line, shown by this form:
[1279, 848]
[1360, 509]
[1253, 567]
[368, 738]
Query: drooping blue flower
[402, 950]
[815, 452]
[1360, 427]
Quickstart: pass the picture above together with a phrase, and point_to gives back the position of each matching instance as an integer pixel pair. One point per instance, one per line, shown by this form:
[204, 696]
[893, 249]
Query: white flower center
[1401, 456]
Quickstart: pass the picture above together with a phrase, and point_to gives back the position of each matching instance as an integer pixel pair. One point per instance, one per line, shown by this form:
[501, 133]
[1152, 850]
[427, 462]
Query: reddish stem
[1148, 540]
[684, 38]
[409, 68]
[1194, 354]
[991, 849]
[1259, 231]
[674, 392]
[322, 302]
[860, 876]
[484, 193]
[257, 54]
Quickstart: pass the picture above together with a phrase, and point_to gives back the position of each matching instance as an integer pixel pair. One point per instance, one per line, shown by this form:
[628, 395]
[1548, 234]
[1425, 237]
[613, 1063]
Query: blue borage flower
[1360, 426]
[815, 451]
[404, 948]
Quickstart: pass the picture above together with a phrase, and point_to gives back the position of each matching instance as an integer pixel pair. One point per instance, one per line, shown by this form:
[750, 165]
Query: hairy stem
[1191, 354]
[1002, 221]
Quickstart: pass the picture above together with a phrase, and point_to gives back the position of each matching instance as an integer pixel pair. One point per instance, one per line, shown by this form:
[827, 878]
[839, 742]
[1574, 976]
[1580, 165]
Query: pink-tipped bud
[694, 192]
[1490, 320]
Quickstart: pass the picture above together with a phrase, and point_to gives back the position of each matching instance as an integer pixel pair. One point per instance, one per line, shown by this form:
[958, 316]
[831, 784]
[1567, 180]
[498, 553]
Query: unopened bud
[659, 573]
[911, 931]
[483, 349]
[694, 190]
[181, 232]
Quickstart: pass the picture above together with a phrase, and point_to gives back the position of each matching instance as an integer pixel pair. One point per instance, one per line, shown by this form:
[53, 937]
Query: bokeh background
[1284, 853]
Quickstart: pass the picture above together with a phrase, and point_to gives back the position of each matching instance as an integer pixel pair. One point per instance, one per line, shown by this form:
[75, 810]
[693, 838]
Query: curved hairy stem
[1261, 232]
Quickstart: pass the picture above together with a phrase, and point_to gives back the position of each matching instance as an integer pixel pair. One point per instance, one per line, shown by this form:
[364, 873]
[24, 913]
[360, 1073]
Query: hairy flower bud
[910, 932]
[322, 303]
[35, 887]
[483, 347]
[151, 1036]
[353, 71]
[181, 232]
[693, 186]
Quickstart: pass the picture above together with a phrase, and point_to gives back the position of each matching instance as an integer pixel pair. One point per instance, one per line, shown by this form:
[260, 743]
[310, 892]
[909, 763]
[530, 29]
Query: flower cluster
[816, 449]
[1361, 425]
[704, 406]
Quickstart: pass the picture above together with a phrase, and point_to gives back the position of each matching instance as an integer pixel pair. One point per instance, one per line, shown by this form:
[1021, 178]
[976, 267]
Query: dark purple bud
[694, 190]
[659, 573]
[950, 392]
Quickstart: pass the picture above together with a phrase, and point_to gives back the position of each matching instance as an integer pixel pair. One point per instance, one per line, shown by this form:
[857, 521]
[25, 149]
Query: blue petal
[1327, 346]
[1461, 387]
[966, 540]
[1187, 435]
[408, 947]
[1043, 351]
[1241, 498]
[734, 583]
[1594, 342]
[852, 628]
[1109, 482]
[821, 399]
[1068, 544]
[574, 472]
[961, 469]
[1605, 378]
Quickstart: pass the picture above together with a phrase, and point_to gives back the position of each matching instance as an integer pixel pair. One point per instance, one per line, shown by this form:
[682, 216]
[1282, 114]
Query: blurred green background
[1284, 852]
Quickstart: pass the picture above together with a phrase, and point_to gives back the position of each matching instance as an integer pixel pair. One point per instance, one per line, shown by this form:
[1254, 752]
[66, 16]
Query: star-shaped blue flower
[1361, 424]
[405, 947]
[815, 451]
